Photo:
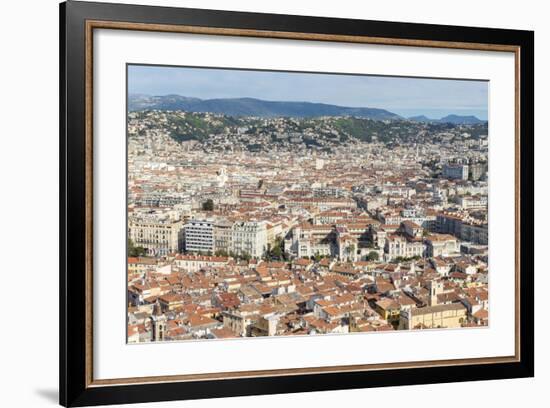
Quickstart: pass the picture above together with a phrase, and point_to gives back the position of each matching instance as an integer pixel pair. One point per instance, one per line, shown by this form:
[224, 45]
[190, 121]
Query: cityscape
[261, 206]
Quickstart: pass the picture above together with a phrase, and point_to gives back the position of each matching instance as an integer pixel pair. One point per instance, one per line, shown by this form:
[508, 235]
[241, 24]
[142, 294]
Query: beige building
[223, 236]
[266, 326]
[307, 240]
[194, 263]
[274, 231]
[160, 236]
[238, 321]
[141, 265]
[441, 245]
[431, 317]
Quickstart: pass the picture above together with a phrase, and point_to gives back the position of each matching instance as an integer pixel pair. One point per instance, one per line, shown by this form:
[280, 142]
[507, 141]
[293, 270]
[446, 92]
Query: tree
[243, 256]
[406, 259]
[373, 256]
[208, 205]
[317, 257]
[276, 251]
[350, 250]
[135, 251]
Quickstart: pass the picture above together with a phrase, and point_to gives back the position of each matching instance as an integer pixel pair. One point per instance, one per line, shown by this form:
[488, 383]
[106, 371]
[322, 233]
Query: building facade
[223, 236]
[199, 236]
[455, 171]
[399, 246]
[249, 238]
[441, 245]
[160, 236]
[452, 315]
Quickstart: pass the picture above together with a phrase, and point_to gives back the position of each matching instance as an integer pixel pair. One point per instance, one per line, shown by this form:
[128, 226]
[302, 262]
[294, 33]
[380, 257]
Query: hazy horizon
[405, 96]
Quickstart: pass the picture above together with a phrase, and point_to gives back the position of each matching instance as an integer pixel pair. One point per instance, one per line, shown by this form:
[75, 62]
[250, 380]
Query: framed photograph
[258, 204]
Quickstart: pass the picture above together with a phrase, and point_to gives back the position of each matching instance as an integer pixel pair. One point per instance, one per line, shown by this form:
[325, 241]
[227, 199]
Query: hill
[420, 118]
[461, 120]
[252, 107]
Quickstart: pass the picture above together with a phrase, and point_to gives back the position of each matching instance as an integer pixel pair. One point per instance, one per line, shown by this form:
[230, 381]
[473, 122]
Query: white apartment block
[308, 248]
[469, 202]
[400, 246]
[240, 238]
[199, 236]
[249, 238]
[456, 171]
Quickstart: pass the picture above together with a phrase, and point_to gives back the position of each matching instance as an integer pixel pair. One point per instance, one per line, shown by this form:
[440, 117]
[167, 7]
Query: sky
[405, 96]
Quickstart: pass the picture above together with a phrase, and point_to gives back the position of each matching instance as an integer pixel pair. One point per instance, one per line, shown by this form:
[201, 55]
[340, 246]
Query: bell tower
[435, 287]
[158, 321]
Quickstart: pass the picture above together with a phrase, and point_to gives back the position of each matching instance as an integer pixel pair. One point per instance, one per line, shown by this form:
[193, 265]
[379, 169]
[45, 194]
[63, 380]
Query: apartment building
[199, 235]
[159, 235]
[398, 245]
[249, 237]
[441, 245]
[455, 171]
[223, 236]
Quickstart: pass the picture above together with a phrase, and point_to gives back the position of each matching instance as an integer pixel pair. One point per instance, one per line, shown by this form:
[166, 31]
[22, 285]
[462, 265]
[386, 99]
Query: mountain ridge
[452, 118]
[247, 106]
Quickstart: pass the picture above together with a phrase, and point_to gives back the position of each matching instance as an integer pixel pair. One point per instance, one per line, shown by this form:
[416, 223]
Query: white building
[199, 236]
[249, 238]
[455, 171]
[221, 177]
[476, 201]
[194, 263]
[441, 245]
[398, 245]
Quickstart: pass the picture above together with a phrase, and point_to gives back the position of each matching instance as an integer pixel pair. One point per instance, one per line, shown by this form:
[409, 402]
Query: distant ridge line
[262, 108]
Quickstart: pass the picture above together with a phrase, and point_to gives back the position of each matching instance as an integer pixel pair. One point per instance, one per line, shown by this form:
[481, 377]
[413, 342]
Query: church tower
[221, 176]
[158, 321]
[435, 287]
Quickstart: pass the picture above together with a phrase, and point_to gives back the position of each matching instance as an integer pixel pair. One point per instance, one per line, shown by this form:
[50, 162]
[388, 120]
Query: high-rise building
[476, 171]
[455, 171]
[199, 236]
